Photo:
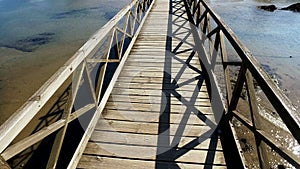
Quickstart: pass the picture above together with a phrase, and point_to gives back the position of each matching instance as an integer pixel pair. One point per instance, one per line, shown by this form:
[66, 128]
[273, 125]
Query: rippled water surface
[38, 36]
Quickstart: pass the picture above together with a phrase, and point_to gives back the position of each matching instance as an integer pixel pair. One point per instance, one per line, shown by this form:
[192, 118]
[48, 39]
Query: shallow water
[39, 36]
[272, 37]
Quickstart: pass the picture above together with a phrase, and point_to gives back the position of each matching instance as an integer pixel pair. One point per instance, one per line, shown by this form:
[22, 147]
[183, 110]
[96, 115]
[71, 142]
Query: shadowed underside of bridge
[159, 113]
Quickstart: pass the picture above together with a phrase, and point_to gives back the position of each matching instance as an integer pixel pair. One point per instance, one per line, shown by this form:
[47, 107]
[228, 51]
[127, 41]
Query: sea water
[39, 36]
[272, 37]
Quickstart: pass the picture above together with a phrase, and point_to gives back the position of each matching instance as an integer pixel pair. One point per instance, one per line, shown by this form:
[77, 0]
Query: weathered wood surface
[159, 110]
[3, 164]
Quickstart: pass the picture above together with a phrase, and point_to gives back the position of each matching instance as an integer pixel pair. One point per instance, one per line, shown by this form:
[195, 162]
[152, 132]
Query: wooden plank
[204, 109]
[196, 70]
[151, 128]
[158, 86]
[135, 116]
[153, 101]
[182, 71]
[156, 107]
[150, 64]
[151, 140]
[184, 91]
[141, 113]
[147, 79]
[142, 73]
[174, 45]
[174, 59]
[162, 60]
[149, 153]
[96, 162]
[200, 101]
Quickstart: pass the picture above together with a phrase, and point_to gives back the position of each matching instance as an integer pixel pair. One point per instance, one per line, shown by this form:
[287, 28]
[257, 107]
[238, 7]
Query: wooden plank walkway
[158, 111]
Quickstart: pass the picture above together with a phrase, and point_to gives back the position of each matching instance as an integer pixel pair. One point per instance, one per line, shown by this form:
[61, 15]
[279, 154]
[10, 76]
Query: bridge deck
[157, 114]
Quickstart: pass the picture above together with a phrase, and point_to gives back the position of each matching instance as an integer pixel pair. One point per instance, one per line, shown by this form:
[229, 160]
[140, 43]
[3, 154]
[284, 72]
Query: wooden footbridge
[164, 84]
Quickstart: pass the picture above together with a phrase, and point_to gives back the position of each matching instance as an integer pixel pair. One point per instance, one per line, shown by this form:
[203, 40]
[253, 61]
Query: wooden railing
[100, 58]
[221, 52]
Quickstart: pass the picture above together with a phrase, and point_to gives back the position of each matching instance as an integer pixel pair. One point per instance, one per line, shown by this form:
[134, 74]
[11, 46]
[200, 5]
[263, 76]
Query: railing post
[194, 7]
[225, 67]
[104, 66]
[57, 145]
[256, 122]
[120, 50]
[238, 88]
[215, 48]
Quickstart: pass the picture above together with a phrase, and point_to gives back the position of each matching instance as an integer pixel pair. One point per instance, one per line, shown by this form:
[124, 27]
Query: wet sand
[22, 74]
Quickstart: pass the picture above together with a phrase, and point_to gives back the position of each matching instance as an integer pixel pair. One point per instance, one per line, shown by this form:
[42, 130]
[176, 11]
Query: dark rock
[270, 8]
[294, 7]
[31, 43]
[75, 13]
[70, 13]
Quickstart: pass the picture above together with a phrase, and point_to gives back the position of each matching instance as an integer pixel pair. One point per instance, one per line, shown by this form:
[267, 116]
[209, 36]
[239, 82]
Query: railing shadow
[168, 148]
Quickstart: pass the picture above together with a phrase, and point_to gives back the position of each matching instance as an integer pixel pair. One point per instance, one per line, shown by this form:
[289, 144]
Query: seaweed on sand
[31, 43]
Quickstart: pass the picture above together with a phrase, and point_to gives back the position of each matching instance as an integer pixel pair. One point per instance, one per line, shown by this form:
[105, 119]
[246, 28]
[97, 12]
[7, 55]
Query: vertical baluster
[103, 69]
[211, 48]
[257, 124]
[238, 88]
[225, 67]
[199, 6]
[215, 49]
[124, 35]
[194, 7]
[57, 145]
[90, 81]
[134, 18]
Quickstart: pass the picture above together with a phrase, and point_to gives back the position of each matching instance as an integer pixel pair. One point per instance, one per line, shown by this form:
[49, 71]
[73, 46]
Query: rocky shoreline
[294, 7]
